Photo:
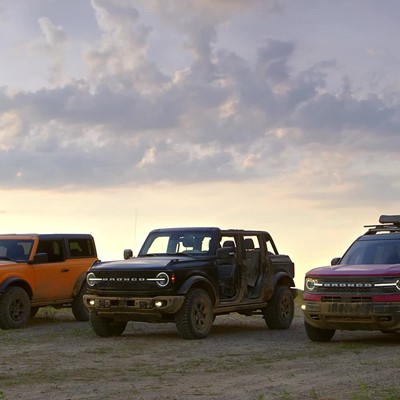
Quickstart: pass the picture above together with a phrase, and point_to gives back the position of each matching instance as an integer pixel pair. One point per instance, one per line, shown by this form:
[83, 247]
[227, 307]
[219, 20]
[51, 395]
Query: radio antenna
[134, 231]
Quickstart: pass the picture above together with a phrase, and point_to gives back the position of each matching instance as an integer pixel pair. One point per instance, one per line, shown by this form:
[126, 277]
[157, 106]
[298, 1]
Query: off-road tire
[318, 335]
[106, 327]
[280, 309]
[78, 306]
[15, 308]
[194, 319]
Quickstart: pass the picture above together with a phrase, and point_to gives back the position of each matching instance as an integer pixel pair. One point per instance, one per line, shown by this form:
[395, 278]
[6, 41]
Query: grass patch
[369, 392]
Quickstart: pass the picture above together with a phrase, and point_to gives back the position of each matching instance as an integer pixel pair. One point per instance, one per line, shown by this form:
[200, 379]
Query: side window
[251, 245]
[229, 241]
[269, 247]
[81, 248]
[53, 248]
[252, 259]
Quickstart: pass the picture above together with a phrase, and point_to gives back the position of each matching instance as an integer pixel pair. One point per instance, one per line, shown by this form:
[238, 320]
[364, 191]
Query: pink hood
[357, 270]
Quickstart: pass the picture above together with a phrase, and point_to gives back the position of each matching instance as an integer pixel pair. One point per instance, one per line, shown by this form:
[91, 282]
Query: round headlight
[91, 279]
[310, 284]
[162, 279]
[398, 284]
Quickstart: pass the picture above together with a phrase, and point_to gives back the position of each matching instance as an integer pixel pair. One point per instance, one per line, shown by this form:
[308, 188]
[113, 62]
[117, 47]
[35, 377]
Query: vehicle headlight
[91, 279]
[162, 279]
[398, 284]
[310, 284]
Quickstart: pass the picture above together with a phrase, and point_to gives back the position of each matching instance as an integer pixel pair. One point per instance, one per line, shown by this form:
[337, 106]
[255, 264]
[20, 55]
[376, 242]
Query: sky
[121, 116]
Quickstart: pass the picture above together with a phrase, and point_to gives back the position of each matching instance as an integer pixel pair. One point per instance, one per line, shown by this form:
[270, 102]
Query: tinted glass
[81, 248]
[373, 252]
[179, 242]
[18, 250]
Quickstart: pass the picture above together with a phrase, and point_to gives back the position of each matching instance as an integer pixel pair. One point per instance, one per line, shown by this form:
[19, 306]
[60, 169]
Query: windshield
[15, 250]
[373, 252]
[179, 242]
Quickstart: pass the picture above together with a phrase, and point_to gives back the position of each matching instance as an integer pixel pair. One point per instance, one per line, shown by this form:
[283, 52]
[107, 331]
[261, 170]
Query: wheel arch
[199, 282]
[78, 284]
[283, 279]
[17, 282]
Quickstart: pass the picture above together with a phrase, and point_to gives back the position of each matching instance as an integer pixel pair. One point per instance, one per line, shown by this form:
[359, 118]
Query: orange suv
[43, 270]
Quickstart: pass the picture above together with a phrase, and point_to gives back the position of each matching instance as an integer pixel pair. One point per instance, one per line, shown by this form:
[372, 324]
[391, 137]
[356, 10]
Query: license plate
[349, 308]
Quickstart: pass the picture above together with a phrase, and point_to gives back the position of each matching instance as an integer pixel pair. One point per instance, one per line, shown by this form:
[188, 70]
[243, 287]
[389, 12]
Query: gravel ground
[56, 357]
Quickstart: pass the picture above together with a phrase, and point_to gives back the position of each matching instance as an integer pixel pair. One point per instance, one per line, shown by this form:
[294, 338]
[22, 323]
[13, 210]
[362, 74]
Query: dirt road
[59, 358]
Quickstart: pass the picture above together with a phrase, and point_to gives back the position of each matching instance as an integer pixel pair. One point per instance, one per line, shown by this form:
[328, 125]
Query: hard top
[48, 236]
[197, 229]
[209, 229]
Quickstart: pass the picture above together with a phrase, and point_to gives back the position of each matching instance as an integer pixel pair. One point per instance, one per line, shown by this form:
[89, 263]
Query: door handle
[64, 269]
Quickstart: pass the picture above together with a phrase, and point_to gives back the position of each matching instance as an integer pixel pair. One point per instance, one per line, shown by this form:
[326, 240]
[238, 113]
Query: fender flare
[82, 279]
[283, 279]
[78, 284]
[16, 282]
[199, 282]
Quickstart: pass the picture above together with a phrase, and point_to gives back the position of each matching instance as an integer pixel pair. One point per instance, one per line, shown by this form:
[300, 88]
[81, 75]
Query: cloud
[221, 118]
[53, 47]
[120, 56]
[54, 35]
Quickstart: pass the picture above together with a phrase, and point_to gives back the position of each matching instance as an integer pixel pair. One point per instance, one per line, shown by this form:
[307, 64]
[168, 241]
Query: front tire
[280, 309]
[15, 308]
[318, 335]
[195, 317]
[106, 327]
[78, 306]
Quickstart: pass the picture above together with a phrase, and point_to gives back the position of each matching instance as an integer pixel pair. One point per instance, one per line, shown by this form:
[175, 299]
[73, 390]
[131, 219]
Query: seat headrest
[249, 244]
[229, 243]
[188, 241]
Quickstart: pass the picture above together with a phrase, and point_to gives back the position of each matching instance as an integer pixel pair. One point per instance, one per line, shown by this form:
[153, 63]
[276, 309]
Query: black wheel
[280, 309]
[318, 335]
[15, 308]
[78, 306]
[34, 311]
[106, 327]
[195, 317]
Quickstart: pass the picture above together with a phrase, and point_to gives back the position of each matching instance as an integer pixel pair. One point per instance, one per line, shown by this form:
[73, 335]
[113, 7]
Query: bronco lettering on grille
[346, 285]
[124, 279]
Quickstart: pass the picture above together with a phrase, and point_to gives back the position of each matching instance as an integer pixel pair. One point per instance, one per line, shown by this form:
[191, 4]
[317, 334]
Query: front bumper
[352, 316]
[107, 305]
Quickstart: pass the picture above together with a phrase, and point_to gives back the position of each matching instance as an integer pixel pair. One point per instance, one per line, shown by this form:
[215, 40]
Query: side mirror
[40, 258]
[335, 261]
[128, 253]
[225, 252]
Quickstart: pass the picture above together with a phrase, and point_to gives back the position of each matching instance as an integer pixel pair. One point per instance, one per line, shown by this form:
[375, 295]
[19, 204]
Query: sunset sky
[120, 116]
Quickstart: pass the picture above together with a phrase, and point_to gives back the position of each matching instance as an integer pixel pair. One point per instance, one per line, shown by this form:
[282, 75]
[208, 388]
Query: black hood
[140, 263]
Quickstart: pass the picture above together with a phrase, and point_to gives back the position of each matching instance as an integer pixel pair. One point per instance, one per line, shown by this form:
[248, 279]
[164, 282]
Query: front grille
[126, 280]
[357, 287]
[345, 289]
[340, 299]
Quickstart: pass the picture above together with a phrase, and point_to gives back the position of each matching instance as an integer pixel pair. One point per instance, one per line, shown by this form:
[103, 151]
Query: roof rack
[388, 223]
[389, 219]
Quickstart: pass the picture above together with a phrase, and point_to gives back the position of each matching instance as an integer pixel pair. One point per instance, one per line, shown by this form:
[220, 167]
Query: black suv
[189, 276]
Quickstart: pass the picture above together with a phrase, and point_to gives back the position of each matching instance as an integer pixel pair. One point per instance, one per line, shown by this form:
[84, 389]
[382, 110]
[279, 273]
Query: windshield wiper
[167, 254]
